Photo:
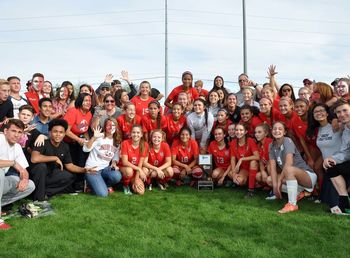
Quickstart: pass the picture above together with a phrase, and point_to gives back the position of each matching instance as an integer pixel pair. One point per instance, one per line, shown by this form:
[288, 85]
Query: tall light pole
[244, 39]
[166, 49]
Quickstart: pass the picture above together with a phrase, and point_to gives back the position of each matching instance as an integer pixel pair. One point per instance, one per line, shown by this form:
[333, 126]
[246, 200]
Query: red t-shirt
[254, 122]
[148, 124]
[133, 153]
[173, 128]
[275, 114]
[125, 126]
[222, 158]
[78, 121]
[264, 150]
[243, 151]
[191, 92]
[157, 159]
[185, 154]
[33, 99]
[141, 106]
[294, 124]
[203, 93]
[276, 102]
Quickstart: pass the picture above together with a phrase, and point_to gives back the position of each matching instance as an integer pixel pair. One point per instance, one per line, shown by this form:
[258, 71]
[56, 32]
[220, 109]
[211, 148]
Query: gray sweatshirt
[200, 132]
[343, 154]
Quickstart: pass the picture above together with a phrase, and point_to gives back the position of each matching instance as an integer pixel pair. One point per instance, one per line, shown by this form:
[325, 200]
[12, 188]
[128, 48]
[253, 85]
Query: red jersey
[264, 150]
[191, 92]
[246, 150]
[148, 124]
[134, 154]
[251, 124]
[125, 126]
[185, 154]
[294, 123]
[274, 115]
[222, 158]
[225, 126]
[33, 99]
[78, 121]
[173, 128]
[276, 102]
[157, 159]
[141, 105]
[203, 93]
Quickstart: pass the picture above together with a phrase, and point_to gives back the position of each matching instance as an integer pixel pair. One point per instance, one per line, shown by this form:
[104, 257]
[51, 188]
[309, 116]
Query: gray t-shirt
[328, 141]
[343, 153]
[279, 153]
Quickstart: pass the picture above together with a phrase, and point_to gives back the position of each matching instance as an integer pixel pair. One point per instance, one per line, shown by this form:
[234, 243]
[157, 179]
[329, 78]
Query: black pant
[49, 182]
[339, 169]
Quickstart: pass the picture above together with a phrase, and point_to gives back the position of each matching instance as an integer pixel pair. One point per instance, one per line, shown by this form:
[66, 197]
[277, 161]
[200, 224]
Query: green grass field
[180, 222]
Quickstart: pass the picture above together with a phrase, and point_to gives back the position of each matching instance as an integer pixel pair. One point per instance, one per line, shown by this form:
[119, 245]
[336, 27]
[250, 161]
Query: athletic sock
[126, 180]
[292, 189]
[252, 178]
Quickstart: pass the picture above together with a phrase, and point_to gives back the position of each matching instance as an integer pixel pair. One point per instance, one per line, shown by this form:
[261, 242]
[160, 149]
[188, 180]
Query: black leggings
[339, 169]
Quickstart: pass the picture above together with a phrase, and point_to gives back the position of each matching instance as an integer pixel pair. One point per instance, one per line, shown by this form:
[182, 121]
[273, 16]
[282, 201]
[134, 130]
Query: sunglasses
[109, 101]
[105, 89]
[242, 80]
[285, 90]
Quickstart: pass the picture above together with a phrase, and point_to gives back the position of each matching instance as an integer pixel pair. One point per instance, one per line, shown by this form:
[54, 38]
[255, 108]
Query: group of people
[259, 137]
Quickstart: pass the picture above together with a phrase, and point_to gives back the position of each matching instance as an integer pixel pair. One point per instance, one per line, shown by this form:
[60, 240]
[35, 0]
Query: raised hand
[125, 76]
[271, 71]
[109, 78]
[98, 132]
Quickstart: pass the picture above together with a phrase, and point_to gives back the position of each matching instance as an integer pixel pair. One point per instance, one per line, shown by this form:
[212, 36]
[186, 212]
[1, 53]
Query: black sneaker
[249, 194]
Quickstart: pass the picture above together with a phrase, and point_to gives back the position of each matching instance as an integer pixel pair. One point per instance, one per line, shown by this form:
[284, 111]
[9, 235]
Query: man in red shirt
[34, 93]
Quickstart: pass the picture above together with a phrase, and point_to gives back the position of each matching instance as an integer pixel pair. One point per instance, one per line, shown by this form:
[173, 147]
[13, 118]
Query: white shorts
[313, 178]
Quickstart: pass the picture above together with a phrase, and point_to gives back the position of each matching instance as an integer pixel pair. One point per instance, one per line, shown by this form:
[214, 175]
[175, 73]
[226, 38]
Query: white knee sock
[292, 188]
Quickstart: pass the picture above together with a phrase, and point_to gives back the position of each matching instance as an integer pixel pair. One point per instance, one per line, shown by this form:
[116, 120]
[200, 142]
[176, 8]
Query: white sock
[292, 188]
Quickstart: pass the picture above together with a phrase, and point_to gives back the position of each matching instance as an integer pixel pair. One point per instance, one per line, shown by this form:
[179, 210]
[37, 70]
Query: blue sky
[81, 41]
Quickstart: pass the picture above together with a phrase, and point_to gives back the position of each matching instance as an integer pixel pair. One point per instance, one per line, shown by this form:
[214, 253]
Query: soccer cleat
[288, 208]
[271, 196]
[249, 194]
[150, 187]
[110, 190]
[3, 225]
[126, 190]
[161, 186]
[337, 211]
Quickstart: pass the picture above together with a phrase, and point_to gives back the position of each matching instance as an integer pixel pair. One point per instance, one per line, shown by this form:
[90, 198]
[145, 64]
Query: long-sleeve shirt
[343, 154]
[199, 130]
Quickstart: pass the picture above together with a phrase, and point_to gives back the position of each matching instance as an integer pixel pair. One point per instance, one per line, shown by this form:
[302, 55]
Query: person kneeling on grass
[244, 159]
[133, 152]
[158, 163]
[294, 171]
[103, 150]
[184, 154]
[16, 185]
[52, 169]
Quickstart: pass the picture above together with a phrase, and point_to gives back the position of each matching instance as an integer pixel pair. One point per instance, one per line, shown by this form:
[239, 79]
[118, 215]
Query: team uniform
[148, 124]
[222, 158]
[185, 155]
[223, 126]
[264, 151]
[173, 127]
[251, 125]
[141, 105]
[191, 93]
[134, 155]
[274, 115]
[125, 127]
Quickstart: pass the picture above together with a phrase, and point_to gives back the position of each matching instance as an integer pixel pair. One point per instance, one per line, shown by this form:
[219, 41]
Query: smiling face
[38, 83]
[86, 103]
[287, 91]
[187, 80]
[136, 134]
[218, 82]
[231, 101]
[304, 94]
[157, 138]
[246, 115]
[124, 98]
[185, 136]
[231, 130]
[57, 134]
[219, 134]
[221, 117]
[47, 87]
[301, 108]
[213, 98]
[177, 111]
[153, 110]
[85, 89]
[46, 109]
[342, 89]
[265, 106]
[240, 131]
[130, 111]
[320, 114]
[145, 89]
[267, 93]
[343, 113]
[260, 133]
[183, 99]
[109, 103]
[278, 130]
[64, 93]
[110, 127]
[247, 95]
[198, 107]
[285, 107]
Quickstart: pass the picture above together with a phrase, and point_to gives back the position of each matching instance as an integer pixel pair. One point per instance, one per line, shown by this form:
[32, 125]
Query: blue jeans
[102, 179]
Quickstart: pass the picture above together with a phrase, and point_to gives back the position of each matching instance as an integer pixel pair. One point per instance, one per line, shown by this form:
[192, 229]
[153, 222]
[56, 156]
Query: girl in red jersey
[249, 120]
[184, 154]
[142, 100]
[153, 120]
[175, 122]
[268, 113]
[127, 120]
[187, 79]
[158, 162]
[296, 127]
[133, 152]
[262, 132]
[222, 120]
[231, 132]
[220, 150]
[244, 159]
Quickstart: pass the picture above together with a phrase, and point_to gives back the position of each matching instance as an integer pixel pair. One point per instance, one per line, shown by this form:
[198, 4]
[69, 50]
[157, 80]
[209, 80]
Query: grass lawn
[180, 222]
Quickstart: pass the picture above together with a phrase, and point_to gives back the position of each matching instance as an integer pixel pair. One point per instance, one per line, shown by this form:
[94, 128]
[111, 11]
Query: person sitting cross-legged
[53, 170]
